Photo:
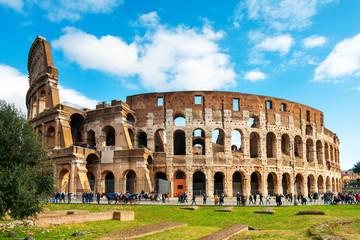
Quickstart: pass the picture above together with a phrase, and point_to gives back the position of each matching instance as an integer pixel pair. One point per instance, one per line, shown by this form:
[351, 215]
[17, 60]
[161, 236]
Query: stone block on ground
[29, 238]
[13, 234]
[50, 214]
[190, 208]
[79, 234]
[226, 233]
[310, 212]
[145, 230]
[228, 209]
[124, 215]
[266, 210]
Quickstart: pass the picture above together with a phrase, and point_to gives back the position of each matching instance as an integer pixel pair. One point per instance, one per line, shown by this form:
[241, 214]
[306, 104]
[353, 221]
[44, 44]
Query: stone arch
[130, 119]
[179, 182]
[321, 187]
[50, 137]
[254, 145]
[285, 144]
[331, 153]
[77, 123]
[149, 160]
[299, 184]
[310, 150]
[236, 140]
[254, 121]
[218, 140]
[179, 120]
[160, 140]
[179, 142]
[64, 180]
[218, 183]
[238, 183]
[199, 183]
[319, 155]
[255, 180]
[142, 139]
[109, 181]
[109, 133]
[328, 184]
[130, 181]
[91, 138]
[42, 101]
[333, 184]
[326, 151]
[272, 184]
[286, 184]
[198, 142]
[311, 184]
[270, 145]
[298, 147]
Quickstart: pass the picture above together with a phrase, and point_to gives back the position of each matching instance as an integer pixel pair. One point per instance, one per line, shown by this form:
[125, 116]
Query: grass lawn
[284, 224]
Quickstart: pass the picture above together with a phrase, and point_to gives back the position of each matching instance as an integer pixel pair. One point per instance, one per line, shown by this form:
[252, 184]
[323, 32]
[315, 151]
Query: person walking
[98, 197]
[243, 200]
[261, 199]
[69, 197]
[267, 199]
[254, 198]
[204, 198]
[250, 199]
[238, 199]
[193, 199]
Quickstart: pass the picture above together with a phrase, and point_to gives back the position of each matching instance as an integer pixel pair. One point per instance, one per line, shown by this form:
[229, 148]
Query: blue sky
[307, 51]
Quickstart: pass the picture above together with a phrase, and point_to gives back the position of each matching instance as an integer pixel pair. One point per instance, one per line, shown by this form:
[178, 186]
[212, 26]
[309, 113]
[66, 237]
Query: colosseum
[187, 141]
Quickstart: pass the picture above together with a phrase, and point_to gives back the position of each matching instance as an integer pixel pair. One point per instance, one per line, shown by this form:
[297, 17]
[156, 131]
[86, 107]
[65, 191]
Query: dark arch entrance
[91, 179]
[218, 183]
[131, 181]
[286, 183]
[271, 184]
[237, 183]
[199, 183]
[255, 183]
[161, 182]
[109, 182]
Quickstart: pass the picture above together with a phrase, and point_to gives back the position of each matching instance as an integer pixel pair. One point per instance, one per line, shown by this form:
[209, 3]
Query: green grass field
[284, 224]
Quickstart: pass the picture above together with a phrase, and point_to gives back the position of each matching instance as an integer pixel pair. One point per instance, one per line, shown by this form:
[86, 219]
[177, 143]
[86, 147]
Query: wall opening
[179, 143]
[109, 182]
[298, 147]
[254, 122]
[91, 140]
[310, 150]
[142, 140]
[109, 132]
[77, 123]
[236, 141]
[286, 183]
[160, 101]
[218, 137]
[285, 144]
[270, 145]
[198, 99]
[199, 183]
[237, 183]
[218, 183]
[255, 183]
[319, 155]
[254, 145]
[160, 141]
[180, 121]
[131, 181]
[236, 106]
[309, 130]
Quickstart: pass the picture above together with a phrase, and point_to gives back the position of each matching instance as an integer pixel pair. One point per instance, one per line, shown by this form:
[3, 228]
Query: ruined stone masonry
[196, 141]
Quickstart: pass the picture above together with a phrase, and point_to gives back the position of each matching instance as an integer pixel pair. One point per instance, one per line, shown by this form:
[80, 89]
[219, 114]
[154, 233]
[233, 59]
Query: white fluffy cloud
[255, 75]
[14, 4]
[14, 86]
[343, 61]
[314, 41]
[164, 59]
[281, 44]
[280, 14]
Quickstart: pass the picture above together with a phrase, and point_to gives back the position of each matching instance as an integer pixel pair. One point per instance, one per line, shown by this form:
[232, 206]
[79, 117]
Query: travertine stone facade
[199, 141]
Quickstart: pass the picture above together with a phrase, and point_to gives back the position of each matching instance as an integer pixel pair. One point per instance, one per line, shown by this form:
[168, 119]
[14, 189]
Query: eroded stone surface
[226, 233]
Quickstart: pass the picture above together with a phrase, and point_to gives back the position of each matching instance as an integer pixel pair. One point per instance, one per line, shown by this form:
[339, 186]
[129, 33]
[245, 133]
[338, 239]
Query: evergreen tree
[356, 167]
[26, 173]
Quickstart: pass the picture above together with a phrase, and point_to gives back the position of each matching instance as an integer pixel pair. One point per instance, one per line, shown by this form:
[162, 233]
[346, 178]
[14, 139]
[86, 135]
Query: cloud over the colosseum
[165, 58]
[15, 84]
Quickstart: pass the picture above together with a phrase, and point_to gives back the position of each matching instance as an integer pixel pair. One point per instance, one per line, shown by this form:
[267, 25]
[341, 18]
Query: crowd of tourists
[219, 199]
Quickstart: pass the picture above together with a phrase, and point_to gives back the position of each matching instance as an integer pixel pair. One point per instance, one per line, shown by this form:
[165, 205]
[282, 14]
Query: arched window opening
[149, 160]
[285, 143]
[299, 187]
[50, 137]
[309, 130]
[130, 119]
[42, 101]
[286, 183]
[311, 184]
[331, 153]
[236, 141]
[237, 183]
[64, 180]
[92, 159]
[319, 155]
[91, 140]
[255, 183]
[321, 184]
[179, 143]
[218, 137]
[298, 145]
[272, 184]
[270, 145]
[254, 145]
[109, 182]
[218, 183]
[199, 183]
[199, 133]
[254, 122]
[326, 151]
[142, 139]
[77, 126]
[179, 120]
[310, 150]
[198, 147]
[109, 133]
[328, 185]
[34, 107]
[160, 141]
[333, 185]
[131, 182]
